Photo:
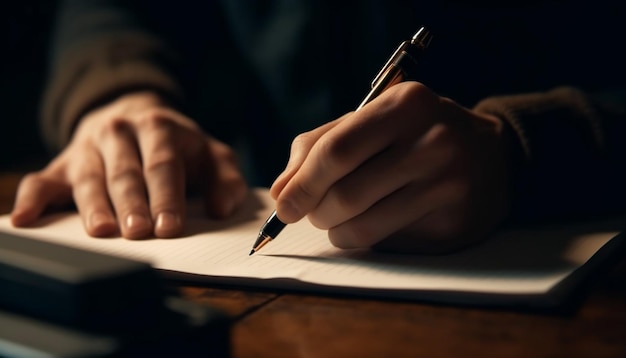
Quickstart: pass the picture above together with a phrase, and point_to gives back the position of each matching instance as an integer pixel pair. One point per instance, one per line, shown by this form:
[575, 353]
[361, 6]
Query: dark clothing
[257, 73]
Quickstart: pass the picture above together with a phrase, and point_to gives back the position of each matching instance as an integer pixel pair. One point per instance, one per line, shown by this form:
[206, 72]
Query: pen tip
[251, 252]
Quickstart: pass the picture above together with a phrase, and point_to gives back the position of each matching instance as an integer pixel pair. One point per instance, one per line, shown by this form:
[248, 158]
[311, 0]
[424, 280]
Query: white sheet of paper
[522, 262]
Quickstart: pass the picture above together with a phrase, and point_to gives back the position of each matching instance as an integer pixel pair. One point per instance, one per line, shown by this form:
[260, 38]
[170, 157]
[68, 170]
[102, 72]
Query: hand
[128, 168]
[409, 172]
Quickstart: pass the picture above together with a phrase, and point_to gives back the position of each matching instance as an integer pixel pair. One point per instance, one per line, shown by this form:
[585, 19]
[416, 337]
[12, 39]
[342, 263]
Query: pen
[400, 66]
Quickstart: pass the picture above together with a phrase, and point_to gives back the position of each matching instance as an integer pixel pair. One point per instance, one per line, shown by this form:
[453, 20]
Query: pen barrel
[402, 66]
[273, 226]
[389, 77]
[407, 60]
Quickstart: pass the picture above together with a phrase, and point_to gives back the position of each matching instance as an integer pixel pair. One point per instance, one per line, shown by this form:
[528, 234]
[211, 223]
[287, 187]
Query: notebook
[534, 267]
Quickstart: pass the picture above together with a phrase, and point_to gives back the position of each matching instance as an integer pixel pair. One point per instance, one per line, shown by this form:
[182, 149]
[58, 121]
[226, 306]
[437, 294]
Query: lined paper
[527, 262]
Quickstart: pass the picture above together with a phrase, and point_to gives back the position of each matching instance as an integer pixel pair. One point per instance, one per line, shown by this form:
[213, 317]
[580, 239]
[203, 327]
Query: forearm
[567, 157]
[99, 53]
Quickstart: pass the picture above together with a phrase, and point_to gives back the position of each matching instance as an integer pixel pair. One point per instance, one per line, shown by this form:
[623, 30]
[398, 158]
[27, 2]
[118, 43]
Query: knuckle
[114, 127]
[162, 158]
[86, 178]
[302, 141]
[304, 189]
[124, 172]
[334, 153]
[332, 150]
[165, 202]
[31, 178]
[33, 181]
[153, 118]
[412, 92]
[445, 144]
[442, 135]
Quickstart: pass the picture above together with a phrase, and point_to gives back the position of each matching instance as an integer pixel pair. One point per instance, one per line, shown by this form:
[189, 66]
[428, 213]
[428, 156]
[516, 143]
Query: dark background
[25, 28]
[25, 31]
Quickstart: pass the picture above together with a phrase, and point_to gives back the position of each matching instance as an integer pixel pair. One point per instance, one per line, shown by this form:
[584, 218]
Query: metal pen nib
[272, 227]
[261, 240]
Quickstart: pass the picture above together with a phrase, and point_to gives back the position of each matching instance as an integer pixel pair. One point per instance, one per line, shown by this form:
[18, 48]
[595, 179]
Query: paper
[523, 263]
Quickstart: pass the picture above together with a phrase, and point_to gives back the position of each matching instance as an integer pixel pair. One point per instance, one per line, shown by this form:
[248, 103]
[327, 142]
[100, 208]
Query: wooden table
[269, 324]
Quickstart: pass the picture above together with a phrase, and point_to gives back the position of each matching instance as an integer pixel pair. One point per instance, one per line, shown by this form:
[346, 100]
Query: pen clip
[390, 62]
[410, 48]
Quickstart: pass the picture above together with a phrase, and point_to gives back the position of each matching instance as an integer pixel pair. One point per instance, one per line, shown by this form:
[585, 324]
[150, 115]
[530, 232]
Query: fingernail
[137, 225]
[167, 221]
[287, 211]
[101, 224]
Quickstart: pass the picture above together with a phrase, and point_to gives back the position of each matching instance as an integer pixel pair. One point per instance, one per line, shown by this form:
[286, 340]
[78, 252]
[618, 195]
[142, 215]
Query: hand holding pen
[400, 65]
[410, 171]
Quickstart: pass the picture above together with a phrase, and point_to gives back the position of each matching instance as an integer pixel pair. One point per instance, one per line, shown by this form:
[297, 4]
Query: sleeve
[568, 153]
[100, 50]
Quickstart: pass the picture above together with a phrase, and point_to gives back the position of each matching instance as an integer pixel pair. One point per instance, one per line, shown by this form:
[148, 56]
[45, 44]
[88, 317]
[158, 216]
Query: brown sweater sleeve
[568, 158]
[89, 73]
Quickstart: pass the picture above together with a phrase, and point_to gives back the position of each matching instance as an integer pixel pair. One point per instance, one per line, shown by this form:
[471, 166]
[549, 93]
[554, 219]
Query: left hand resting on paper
[409, 172]
[128, 168]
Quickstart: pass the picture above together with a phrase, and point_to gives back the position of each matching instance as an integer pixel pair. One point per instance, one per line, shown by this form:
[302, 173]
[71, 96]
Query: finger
[91, 196]
[377, 178]
[396, 211]
[164, 173]
[439, 232]
[352, 142]
[300, 148]
[333, 154]
[225, 188]
[125, 180]
[35, 193]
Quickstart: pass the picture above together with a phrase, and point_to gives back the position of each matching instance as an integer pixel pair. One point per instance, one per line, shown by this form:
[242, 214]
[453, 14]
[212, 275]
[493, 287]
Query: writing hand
[128, 168]
[410, 172]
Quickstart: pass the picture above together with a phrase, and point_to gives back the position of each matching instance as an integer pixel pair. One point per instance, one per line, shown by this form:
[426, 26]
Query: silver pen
[401, 65]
